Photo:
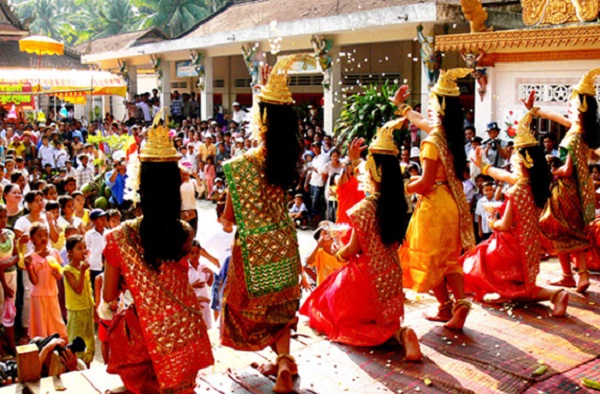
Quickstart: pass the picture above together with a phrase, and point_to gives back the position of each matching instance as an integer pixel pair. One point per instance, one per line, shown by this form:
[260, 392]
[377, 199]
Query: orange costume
[160, 342]
[440, 226]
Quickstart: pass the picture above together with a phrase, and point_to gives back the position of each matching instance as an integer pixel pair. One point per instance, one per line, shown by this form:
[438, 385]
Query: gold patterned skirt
[562, 218]
[432, 245]
[252, 323]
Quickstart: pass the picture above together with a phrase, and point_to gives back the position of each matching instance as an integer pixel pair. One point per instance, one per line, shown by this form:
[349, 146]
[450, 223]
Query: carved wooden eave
[562, 39]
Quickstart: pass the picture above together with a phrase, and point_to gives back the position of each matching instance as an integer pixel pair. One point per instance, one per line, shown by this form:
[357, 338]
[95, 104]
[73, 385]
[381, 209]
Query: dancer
[441, 225]
[570, 210]
[262, 293]
[508, 263]
[361, 304]
[159, 342]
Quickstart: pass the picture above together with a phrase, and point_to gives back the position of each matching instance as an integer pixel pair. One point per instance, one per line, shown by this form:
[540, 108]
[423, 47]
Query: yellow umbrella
[41, 45]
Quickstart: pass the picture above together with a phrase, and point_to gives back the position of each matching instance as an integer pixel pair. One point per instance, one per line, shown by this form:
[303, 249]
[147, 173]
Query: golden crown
[446, 83]
[383, 143]
[159, 146]
[276, 90]
[524, 137]
[586, 84]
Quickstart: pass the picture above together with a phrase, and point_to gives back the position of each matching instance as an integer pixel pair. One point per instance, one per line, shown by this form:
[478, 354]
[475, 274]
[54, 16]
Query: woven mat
[569, 382]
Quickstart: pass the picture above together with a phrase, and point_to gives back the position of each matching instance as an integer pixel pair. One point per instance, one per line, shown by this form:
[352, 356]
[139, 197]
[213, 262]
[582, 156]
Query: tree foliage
[76, 21]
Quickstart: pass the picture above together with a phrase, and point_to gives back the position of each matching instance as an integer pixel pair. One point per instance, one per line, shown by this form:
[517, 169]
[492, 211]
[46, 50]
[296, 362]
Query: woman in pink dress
[362, 303]
[209, 176]
[44, 270]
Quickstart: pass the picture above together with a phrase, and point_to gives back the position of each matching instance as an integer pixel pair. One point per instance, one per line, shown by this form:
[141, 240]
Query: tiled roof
[251, 13]
[120, 41]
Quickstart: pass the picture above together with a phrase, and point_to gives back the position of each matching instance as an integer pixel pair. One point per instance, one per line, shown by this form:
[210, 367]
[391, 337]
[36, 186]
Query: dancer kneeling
[508, 263]
[361, 304]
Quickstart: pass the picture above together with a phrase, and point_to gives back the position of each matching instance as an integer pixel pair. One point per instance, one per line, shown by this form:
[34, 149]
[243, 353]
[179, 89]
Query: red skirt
[341, 307]
[495, 266]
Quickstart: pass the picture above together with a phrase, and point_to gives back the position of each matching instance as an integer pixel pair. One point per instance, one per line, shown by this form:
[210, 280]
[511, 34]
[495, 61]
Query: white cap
[414, 151]
[214, 123]
[239, 139]
[235, 104]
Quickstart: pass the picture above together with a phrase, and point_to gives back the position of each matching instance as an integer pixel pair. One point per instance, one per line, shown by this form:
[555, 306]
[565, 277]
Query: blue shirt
[117, 188]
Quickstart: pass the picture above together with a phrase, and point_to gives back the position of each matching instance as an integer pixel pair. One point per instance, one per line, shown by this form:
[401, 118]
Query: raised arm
[406, 110]
[553, 116]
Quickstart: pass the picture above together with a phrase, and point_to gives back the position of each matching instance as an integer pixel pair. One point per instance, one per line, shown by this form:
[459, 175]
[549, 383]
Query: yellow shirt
[74, 301]
[325, 264]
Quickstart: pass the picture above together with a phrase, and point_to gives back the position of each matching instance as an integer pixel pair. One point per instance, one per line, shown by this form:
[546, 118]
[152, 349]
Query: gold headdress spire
[524, 136]
[446, 83]
[383, 144]
[159, 147]
[276, 90]
[586, 84]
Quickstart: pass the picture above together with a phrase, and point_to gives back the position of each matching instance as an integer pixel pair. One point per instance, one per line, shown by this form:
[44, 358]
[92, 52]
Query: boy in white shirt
[482, 216]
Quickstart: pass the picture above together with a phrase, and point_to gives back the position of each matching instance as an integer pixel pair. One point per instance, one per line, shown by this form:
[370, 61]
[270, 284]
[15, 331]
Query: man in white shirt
[84, 174]
[239, 116]
[46, 153]
[95, 242]
[316, 182]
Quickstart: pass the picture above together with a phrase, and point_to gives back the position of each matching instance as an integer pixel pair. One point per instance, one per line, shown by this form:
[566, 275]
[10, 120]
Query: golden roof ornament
[524, 137]
[586, 84]
[159, 147]
[383, 143]
[446, 84]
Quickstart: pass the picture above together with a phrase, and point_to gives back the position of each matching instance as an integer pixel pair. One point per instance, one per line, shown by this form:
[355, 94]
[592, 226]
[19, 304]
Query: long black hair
[162, 233]
[391, 204]
[452, 122]
[539, 174]
[590, 122]
[282, 142]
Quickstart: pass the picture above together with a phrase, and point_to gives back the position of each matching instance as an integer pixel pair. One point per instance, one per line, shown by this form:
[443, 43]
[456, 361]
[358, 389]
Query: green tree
[42, 16]
[173, 16]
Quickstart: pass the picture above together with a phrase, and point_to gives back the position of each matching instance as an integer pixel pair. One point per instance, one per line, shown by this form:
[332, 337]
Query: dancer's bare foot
[444, 313]
[560, 301]
[411, 345]
[284, 383]
[584, 282]
[270, 369]
[459, 315]
[565, 281]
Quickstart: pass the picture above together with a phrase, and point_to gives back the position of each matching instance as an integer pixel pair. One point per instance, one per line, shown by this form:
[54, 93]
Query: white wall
[506, 79]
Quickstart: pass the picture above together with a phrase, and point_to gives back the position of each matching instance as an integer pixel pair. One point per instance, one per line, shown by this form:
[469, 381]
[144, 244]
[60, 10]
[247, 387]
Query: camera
[8, 370]
[494, 145]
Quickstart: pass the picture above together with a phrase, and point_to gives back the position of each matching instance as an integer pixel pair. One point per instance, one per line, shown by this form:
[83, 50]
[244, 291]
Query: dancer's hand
[401, 95]
[530, 100]
[356, 147]
[478, 159]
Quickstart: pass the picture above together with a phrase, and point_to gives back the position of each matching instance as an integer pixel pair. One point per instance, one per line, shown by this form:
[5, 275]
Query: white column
[166, 85]
[484, 109]
[333, 96]
[133, 82]
[424, 98]
[207, 94]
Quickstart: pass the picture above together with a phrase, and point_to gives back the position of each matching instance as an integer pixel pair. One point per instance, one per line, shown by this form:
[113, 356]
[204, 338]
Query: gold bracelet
[355, 163]
[485, 169]
[339, 257]
[534, 111]
[402, 109]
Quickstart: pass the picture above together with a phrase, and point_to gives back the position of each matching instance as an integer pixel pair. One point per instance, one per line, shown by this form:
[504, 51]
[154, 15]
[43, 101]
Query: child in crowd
[78, 290]
[114, 218]
[8, 258]
[202, 178]
[81, 211]
[44, 270]
[218, 190]
[221, 244]
[95, 242]
[201, 278]
[67, 210]
[322, 258]
[53, 208]
[209, 176]
[49, 192]
[298, 212]
[482, 216]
